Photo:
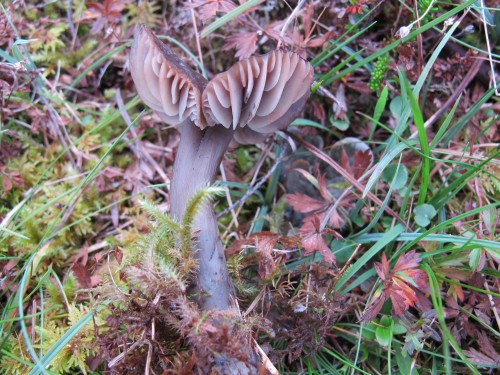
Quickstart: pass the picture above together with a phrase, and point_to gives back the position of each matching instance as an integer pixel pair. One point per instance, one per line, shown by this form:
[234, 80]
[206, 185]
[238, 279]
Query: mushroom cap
[260, 95]
[164, 82]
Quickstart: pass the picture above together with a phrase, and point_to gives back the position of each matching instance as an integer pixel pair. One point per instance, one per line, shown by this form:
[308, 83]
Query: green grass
[47, 223]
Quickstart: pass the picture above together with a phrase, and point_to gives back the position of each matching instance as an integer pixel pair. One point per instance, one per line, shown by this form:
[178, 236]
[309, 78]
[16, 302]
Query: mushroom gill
[263, 93]
[165, 82]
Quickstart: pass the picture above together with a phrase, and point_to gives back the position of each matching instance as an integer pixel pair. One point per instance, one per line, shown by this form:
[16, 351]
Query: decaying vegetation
[361, 239]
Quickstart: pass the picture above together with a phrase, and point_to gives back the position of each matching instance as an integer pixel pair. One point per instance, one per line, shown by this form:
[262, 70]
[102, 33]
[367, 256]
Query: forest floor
[363, 239]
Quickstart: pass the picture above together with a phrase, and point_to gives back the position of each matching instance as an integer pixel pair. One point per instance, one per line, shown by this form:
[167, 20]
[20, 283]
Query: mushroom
[247, 103]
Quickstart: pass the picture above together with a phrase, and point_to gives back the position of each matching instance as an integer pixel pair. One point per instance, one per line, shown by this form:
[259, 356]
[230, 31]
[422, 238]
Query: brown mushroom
[250, 101]
[259, 95]
[163, 81]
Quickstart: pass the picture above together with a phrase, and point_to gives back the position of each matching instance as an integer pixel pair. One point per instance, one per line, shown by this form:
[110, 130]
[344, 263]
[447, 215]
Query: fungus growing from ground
[247, 103]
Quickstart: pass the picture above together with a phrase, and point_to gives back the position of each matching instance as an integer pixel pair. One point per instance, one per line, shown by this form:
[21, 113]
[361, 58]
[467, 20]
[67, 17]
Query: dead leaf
[312, 239]
[304, 203]
[244, 43]
[82, 275]
[265, 243]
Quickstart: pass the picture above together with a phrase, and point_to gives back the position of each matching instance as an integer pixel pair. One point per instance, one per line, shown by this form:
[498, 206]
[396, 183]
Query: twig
[121, 356]
[289, 20]
[228, 196]
[471, 74]
[266, 361]
[492, 67]
[255, 187]
[197, 36]
[327, 159]
[136, 146]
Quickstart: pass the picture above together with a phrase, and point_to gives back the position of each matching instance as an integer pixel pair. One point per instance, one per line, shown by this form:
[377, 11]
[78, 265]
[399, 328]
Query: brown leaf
[265, 243]
[398, 302]
[237, 245]
[82, 275]
[362, 161]
[382, 269]
[6, 183]
[303, 203]
[307, 17]
[344, 161]
[481, 358]
[399, 284]
[118, 255]
[486, 346]
[372, 311]
[407, 261]
[336, 220]
[312, 239]
[208, 9]
[323, 190]
[244, 43]
[319, 41]
[103, 14]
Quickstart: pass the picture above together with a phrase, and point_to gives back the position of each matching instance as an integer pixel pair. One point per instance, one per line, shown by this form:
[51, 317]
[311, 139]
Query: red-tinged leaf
[82, 275]
[455, 273]
[334, 233]
[304, 203]
[419, 277]
[336, 220]
[6, 183]
[244, 43]
[344, 161]
[307, 17]
[456, 292]
[95, 280]
[319, 41]
[423, 303]
[362, 161]
[372, 311]
[118, 255]
[406, 261]
[208, 9]
[102, 14]
[291, 242]
[398, 304]
[265, 242]
[478, 357]
[401, 286]
[402, 289]
[385, 265]
[323, 190]
[380, 271]
[482, 261]
[312, 240]
[237, 245]
[486, 346]
[83, 254]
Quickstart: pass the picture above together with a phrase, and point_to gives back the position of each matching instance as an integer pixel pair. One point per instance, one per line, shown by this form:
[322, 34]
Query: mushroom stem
[196, 164]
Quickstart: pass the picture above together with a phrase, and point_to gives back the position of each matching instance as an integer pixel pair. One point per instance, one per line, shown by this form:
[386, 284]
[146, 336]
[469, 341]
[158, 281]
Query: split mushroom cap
[259, 95]
[165, 82]
[255, 97]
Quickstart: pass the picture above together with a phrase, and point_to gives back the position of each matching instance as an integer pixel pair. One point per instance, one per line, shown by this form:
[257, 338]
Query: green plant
[380, 67]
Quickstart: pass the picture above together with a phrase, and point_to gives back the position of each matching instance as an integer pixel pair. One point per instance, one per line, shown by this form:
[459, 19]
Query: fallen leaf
[304, 203]
[244, 43]
[312, 239]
